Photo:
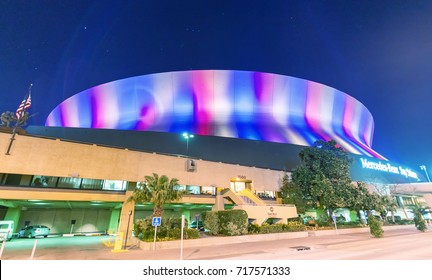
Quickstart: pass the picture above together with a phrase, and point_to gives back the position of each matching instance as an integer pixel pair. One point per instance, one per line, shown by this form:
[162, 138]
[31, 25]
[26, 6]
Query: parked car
[33, 231]
[6, 230]
[199, 226]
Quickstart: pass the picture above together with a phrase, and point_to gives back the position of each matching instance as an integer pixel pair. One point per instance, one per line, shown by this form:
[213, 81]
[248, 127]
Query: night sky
[379, 52]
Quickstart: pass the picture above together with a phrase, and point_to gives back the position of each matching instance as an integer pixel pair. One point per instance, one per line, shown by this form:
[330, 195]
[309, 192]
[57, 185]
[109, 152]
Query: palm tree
[392, 207]
[386, 204]
[157, 190]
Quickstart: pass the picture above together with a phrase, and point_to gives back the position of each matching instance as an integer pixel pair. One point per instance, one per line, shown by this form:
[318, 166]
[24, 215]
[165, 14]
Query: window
[180, 187]
[13, 179]
[51, 181]
[208, 190]
[39, 181]
[92, 184]
[114, 185]
[193, 189]
[188, 189]
[69, 183]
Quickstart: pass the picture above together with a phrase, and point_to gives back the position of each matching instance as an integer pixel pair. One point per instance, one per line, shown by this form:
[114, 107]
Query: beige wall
[12, 193]
[32, 155]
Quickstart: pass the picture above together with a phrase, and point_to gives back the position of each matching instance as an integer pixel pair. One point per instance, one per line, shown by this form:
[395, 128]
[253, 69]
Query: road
[403, 244]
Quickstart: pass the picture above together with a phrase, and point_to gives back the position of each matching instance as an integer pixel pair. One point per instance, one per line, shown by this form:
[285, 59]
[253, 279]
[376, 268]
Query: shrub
[170, 229]
[296, 219]
[294, 226]
[233, 222]
[211, 222]
[324, 221]
[275, 228]
[375, 227]
[233, 229]
[419, 222]
[254, 228]
[189, 233]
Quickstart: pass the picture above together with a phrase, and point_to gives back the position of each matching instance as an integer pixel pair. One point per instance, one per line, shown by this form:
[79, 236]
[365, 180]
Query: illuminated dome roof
[237, 104]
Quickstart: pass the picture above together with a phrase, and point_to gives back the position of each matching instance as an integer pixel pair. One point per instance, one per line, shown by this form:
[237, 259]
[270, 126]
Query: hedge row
[276, 228]
[226, 222]
[170, 229]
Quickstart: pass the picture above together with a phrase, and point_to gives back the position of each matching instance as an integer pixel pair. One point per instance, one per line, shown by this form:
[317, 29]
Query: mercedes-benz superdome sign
[368, 169]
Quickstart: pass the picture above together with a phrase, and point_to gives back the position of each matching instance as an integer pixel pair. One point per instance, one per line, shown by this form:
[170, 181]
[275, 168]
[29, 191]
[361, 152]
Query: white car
[6, 230]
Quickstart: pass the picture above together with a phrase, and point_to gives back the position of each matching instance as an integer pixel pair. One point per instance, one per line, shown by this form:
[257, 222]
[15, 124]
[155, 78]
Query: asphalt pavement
[407, 243]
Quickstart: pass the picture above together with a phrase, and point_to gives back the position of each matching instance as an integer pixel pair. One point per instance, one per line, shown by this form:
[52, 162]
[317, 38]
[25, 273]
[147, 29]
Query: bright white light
[187, 136]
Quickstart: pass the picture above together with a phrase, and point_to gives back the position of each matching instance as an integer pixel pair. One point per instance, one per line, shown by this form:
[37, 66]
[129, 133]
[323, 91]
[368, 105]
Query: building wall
[33, 155]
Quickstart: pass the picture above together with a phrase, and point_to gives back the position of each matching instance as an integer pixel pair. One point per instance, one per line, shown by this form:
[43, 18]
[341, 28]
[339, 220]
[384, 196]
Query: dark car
[33, 231]
[198, 225]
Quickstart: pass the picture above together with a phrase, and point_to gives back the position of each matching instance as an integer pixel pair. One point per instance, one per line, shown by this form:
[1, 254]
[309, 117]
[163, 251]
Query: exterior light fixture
[423, 167]
[187, 136]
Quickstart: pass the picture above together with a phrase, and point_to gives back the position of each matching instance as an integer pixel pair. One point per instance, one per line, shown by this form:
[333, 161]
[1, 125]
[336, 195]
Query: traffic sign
[156, 221]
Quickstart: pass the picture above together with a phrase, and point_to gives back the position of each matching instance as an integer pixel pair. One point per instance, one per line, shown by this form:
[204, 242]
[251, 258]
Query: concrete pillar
[114, 221]
[13, 214]
[187, 214]
[127, 218]
[127, 211]
[219, 204]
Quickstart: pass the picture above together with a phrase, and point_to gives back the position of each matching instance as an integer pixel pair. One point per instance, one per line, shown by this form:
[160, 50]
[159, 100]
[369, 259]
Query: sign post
[334, 221]
[181, 239]
[156, 221]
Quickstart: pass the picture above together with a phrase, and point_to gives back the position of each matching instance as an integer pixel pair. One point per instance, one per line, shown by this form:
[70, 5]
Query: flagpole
[12, 139]
[14, 131]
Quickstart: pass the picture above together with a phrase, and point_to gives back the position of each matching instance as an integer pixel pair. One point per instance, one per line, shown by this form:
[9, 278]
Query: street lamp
[187, 136]
[423, 167]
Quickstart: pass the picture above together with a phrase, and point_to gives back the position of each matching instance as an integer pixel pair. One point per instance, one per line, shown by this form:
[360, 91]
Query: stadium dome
[225, 103]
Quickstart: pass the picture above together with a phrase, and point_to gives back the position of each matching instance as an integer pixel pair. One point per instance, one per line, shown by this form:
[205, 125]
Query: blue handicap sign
[156, 221]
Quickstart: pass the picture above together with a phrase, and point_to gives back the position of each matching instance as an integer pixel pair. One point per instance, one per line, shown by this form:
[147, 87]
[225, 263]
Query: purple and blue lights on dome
[238, 104]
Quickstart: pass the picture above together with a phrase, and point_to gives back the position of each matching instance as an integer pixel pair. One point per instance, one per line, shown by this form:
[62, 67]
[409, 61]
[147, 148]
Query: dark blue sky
[379, 52]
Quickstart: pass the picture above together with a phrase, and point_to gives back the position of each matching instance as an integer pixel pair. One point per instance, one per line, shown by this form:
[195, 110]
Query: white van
[6, 230]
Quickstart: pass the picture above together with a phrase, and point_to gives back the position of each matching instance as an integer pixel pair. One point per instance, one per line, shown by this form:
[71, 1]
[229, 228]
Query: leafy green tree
[157, 190]
[292, 194]
[324, 176]
[358, 199]
[373, 202]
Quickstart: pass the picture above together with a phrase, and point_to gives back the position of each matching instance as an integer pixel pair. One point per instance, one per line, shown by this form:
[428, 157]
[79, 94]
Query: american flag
[25, 104]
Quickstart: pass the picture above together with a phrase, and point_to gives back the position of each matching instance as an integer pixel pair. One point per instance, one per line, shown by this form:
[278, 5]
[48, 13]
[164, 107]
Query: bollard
[34, 249]
[2, 248]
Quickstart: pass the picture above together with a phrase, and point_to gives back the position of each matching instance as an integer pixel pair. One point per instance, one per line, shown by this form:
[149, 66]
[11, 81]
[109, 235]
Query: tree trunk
[157, 211]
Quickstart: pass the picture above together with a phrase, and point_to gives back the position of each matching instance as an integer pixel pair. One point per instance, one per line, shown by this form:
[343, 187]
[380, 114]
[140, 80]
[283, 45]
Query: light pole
[187, 136]
[127, 228]
[423, 167]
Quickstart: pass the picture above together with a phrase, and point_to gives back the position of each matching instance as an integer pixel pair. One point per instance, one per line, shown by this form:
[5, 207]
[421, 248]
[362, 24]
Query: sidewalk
[212, 248]
[217, 247]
